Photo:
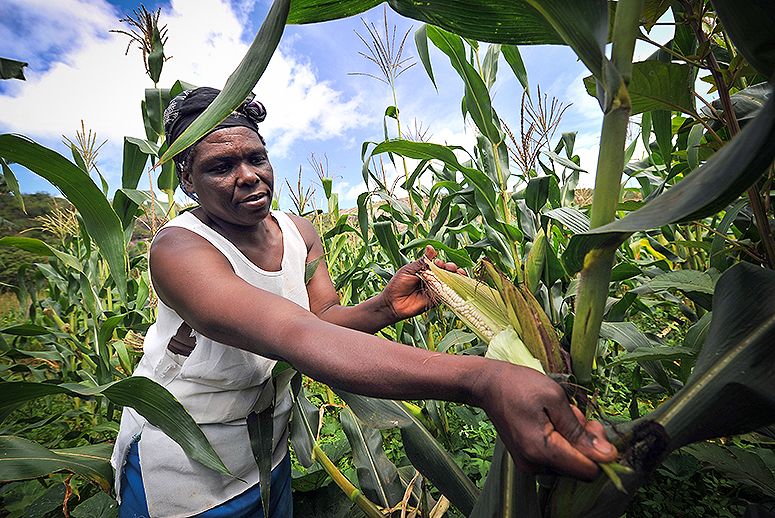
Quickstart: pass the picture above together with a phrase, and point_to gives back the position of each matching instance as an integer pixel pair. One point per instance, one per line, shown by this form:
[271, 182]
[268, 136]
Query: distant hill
[14, 222]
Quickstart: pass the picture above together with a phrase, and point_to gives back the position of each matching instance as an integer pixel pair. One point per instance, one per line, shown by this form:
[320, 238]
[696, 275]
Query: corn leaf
[377, 476]
[21, 459]
[240, 82]
[710, 188]
[424, 451]
[147, 397]
[98, 216]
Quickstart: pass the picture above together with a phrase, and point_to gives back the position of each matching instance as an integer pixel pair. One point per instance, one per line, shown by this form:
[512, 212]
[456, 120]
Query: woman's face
[231, 175]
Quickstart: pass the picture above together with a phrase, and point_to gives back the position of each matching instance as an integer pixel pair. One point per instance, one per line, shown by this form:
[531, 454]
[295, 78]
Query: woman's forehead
[226, 139]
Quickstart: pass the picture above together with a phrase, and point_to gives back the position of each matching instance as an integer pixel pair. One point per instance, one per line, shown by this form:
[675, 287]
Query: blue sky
[78, 70]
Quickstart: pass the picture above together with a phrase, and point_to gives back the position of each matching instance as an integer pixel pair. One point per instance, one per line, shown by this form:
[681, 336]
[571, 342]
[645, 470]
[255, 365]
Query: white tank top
[219, 386]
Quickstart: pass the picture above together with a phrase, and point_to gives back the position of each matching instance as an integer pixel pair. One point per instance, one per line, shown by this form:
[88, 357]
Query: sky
[318, 105]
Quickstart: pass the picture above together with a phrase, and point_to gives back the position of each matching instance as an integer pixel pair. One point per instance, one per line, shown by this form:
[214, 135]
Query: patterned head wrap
[188, 105]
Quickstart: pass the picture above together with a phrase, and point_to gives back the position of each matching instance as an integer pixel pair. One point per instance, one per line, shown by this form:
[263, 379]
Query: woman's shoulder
[305, 228]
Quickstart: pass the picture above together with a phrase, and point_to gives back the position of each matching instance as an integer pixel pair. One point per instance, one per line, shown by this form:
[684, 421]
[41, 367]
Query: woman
[233, 271]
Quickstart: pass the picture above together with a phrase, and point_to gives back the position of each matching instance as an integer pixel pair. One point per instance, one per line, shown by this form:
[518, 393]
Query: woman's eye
[220, 168]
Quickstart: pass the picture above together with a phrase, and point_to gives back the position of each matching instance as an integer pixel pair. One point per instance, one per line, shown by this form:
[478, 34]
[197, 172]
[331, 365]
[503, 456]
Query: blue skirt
[245, 505]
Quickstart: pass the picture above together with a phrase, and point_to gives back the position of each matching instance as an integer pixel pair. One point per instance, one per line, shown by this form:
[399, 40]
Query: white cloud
[93, 80]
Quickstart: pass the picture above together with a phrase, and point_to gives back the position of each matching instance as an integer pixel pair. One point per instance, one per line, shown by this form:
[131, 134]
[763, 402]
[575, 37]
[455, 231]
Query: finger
[430, 252]
[588, 437]
[565, 458]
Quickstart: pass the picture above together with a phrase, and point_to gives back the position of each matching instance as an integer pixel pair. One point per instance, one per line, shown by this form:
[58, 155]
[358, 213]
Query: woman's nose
[247, 174]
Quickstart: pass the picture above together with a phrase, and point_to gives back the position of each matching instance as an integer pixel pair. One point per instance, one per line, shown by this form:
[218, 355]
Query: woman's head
[187, 106]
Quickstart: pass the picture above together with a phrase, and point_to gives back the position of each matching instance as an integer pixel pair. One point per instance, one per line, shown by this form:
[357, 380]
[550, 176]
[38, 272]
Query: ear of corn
[509, 319]
[536, 258]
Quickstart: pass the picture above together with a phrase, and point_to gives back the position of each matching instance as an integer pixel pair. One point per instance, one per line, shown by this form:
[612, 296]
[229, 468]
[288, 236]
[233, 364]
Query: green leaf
[656, 86]
[537, 192]
[745, 466]
[707, 190]
[99, 218]
[454, 339]
[733, 373]
[459, 256]
[573, 219]
[387, 238]
[659, 353]
[304, 424]
[632, 339]
[21, 459]
[514, 59]
[423, 450]
[13, 184]
[477, 96]
[421, 42]
[684, 280]
[135, 157]
[749, 25]
[497, 21]
[12, 69]
[36, 246]
[27, 329]
[507, 492]
[583, 25]
[310, 268]
[147, 397]
[377, 476]
[240, 82]
[311, 11]
[100, 505]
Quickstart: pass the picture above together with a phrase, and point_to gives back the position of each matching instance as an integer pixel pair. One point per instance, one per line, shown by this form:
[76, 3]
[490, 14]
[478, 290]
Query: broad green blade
[240, 82]
[477, 96]
[147, 397]
[656, 86]
[507, 492]
[100, 505]
[749, 24]
[377, 476]
[497, 21]
[36, 246]
[21, 459]
[710, 188]
[13, 184]
[685, 280]
[98, 216]
[421, 42]
[514, 59]
[304, 424]
[135, 157]
[733, 373]
[12, 69]
[424, 451]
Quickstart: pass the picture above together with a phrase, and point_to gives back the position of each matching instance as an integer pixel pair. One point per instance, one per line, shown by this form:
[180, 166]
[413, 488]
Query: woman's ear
[185, 179]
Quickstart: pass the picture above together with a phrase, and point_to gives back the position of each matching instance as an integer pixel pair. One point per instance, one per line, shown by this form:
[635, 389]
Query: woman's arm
[529, 410]
[402, 298]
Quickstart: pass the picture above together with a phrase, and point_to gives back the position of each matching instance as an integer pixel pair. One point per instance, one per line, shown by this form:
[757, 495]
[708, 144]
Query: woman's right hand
[539, 426]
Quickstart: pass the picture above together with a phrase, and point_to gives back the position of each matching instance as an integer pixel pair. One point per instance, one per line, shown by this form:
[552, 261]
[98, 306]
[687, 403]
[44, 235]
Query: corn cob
[476, 319]
[504, 317]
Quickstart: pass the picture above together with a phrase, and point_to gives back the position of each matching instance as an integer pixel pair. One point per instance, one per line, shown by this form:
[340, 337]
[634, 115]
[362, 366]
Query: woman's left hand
[404, 294]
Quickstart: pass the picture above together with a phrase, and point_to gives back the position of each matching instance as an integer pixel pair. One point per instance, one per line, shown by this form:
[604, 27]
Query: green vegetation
[660, 293]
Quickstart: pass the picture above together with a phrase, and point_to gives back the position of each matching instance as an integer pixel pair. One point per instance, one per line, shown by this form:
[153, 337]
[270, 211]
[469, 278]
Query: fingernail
[603, 447]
